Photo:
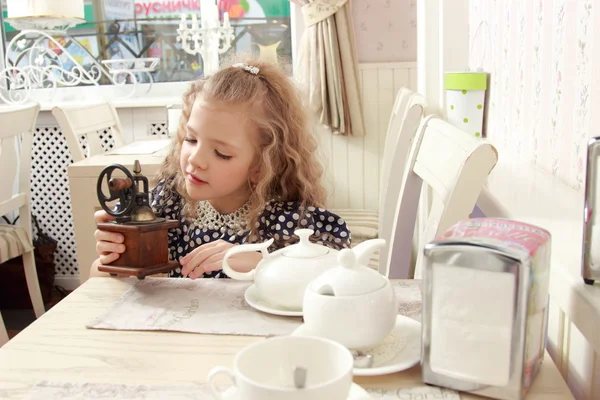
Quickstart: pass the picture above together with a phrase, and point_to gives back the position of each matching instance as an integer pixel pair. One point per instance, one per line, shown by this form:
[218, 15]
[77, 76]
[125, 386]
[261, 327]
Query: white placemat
[47, 390]
[415, 393]
[212, 306]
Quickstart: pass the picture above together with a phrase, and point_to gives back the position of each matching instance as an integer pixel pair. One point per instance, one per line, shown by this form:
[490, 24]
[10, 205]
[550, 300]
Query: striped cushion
[363, 224]
[14, 241]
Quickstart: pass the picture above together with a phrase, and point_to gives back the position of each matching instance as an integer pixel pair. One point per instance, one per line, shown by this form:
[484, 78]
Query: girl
[242, 169]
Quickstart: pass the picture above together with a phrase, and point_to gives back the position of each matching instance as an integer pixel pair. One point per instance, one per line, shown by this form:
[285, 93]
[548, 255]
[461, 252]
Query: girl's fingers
[196, 273]
[193, 253]
[193, 275]
[102, 216]
[106, 259]
[187, 266]
[109, 242]
[105, 236]
[217, 266]
[201, 255]
[215, 259]
[188, 269]
[109, 247]
[185, 259]
[214, 262]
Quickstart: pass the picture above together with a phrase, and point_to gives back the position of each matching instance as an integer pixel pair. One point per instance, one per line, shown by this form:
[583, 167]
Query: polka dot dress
[278, 221]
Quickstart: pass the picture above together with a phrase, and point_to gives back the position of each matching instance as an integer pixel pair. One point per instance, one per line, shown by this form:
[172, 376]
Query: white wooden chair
[17, 124]
[392, 186]
[455, 165]
[406, 116]
[394, 134]
[3, 334]
[88, 121]
[173, 116]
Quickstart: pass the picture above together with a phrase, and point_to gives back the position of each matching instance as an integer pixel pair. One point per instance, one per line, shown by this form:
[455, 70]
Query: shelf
[160, 95]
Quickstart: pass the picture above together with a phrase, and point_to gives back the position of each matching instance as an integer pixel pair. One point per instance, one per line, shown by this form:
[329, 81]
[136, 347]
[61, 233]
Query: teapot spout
[364, 251]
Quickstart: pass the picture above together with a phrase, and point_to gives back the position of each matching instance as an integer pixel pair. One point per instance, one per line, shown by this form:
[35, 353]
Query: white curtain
[327, 65]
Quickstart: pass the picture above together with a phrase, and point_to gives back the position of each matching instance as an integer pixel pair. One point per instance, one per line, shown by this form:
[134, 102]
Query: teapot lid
[304, 248]
[350, 278]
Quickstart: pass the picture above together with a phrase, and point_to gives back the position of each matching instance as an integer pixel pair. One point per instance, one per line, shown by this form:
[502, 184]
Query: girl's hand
[109, 245]
[209, 257]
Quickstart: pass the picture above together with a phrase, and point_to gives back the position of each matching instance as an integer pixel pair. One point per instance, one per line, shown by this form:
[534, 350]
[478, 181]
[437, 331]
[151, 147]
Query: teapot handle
[243, 248]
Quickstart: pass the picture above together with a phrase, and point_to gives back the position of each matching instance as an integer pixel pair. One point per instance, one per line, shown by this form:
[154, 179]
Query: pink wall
[545, 85]
[386, 30]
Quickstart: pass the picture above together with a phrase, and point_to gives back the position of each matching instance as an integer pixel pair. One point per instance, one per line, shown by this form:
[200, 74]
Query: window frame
[159, 93]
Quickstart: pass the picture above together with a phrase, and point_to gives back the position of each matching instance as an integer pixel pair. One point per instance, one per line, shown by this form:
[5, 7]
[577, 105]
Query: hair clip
[248, 68]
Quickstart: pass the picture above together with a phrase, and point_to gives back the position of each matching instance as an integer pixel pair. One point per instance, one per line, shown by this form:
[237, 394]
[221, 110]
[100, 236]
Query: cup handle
[214, 372]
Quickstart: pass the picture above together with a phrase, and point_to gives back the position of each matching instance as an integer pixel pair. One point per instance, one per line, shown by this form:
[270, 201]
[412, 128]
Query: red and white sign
[145, 9]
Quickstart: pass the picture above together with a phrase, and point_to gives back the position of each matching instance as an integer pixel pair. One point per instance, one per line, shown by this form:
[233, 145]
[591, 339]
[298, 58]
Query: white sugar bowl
[352, 303]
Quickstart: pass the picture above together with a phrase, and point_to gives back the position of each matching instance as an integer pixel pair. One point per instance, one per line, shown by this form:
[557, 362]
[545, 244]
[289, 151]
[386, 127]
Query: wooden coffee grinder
[146, 243]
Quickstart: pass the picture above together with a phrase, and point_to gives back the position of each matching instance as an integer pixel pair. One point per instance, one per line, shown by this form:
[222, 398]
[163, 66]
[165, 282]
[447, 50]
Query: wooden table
[58, 347]
[83, 177]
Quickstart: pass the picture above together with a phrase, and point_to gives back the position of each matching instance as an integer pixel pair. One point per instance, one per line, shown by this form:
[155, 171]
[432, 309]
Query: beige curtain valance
[319, 10]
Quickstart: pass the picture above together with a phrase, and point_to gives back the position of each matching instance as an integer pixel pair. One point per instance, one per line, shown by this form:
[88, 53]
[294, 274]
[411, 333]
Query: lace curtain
[328, 65]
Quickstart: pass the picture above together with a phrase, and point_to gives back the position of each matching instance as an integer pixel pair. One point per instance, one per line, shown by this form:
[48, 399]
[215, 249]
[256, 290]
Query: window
[147, 29]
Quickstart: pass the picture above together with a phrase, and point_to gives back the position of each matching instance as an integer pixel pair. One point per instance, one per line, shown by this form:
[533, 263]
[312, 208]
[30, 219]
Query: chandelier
[210, 39]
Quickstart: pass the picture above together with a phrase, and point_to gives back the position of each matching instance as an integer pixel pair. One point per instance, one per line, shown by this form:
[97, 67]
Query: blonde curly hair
[287, 151]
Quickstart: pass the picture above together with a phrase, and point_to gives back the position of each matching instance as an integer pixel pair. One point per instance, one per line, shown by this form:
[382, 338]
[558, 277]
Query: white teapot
[351, 303]
[281, 277]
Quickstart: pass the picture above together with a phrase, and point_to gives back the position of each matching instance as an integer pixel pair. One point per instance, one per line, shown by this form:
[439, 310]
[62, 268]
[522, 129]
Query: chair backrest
[88, 121]
[391, 138]
[173, 117]
[17, 124]
[398, 152]
[455, 165]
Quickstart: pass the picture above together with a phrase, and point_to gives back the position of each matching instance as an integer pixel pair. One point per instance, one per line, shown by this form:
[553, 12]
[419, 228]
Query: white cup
[265, 370]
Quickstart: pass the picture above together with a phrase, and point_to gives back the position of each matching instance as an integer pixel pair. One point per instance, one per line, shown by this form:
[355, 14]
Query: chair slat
[88, 121]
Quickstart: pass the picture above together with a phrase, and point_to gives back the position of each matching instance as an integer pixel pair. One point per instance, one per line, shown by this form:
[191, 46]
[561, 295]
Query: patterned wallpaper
[545, 97]
[385, 30]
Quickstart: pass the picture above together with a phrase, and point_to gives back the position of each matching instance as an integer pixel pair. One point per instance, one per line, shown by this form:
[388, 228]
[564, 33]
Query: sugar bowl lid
[351, 277]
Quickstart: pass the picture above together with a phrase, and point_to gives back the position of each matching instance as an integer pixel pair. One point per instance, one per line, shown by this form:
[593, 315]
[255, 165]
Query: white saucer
[399, 351]
[252, 297]
[356, 393]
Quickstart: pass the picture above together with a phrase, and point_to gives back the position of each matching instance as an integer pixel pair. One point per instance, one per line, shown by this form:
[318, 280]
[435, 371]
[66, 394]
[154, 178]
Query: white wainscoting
[352, 163]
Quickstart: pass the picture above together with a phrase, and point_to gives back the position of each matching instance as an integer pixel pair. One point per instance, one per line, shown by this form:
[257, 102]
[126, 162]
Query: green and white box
[465, 100]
